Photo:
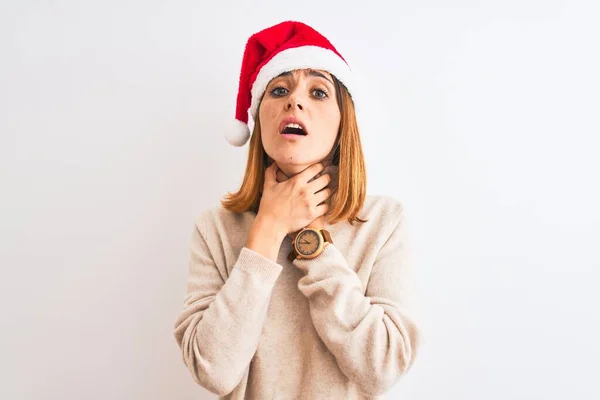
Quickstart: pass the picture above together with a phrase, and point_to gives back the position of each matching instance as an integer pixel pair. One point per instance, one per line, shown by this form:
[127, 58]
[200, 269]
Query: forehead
[306, 72]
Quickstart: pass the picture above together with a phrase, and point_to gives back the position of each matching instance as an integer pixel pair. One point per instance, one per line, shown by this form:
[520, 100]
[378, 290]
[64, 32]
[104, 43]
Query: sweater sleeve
[373, 337]
[219, 328]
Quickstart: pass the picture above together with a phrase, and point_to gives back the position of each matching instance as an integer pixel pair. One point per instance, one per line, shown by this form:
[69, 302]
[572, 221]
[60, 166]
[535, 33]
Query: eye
[320, 93]
[278, 91]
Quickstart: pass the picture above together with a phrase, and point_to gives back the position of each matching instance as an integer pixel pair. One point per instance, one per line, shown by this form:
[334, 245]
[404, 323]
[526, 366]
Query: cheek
[273, 115]
[268, 116]
[332, 120]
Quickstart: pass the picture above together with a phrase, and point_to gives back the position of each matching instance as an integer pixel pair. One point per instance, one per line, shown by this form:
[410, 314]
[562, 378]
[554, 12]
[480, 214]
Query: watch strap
[326, 236]
[292, 256]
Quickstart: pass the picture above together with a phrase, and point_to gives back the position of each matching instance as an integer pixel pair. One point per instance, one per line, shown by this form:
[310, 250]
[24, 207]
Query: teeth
[292, 126]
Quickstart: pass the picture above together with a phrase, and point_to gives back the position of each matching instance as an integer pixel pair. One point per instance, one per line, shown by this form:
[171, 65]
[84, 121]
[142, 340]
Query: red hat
[286, 46]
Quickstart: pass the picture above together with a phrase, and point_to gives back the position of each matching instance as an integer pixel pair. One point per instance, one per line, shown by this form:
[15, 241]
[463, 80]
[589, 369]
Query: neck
[294, 169]
[331, 169]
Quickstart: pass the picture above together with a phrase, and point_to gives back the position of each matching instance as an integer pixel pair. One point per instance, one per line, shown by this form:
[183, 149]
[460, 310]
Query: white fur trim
[238, 134]
[314, 57]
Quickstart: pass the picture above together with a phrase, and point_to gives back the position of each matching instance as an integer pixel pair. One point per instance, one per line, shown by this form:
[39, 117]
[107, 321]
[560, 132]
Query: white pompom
[238, 134]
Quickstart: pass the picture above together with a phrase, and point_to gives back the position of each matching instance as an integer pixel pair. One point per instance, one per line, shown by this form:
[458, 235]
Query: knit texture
[339, 326]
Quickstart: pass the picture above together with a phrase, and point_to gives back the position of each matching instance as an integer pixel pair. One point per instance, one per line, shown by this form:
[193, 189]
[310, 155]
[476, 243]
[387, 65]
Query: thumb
[271, 174]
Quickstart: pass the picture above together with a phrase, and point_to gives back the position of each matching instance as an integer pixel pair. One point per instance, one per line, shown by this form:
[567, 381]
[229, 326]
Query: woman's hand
[332, 170]
[294, 203]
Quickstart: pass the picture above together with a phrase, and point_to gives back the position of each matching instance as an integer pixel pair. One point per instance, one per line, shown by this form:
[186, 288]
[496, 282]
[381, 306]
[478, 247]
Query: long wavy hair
[349, 197]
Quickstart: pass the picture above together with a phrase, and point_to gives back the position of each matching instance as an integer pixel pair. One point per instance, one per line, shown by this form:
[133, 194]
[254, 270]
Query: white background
[483, 121]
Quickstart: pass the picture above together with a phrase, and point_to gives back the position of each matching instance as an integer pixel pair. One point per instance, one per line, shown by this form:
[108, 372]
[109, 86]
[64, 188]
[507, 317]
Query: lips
[292, 125]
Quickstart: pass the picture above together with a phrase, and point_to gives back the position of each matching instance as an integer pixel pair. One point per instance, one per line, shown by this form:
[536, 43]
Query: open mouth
[293, 129]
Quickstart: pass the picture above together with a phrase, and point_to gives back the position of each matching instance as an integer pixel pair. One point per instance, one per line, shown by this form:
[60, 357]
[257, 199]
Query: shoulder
[383, 214]
[217, 218]
[383, 207]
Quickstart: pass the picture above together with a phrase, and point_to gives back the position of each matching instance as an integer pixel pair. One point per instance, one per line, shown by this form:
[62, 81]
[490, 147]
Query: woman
[290, 294]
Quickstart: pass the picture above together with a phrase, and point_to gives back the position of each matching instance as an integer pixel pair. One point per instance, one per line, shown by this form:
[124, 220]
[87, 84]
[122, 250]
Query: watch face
[307, 242]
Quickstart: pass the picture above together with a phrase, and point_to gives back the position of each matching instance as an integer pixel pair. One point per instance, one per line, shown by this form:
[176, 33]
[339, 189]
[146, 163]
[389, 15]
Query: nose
[293, 103]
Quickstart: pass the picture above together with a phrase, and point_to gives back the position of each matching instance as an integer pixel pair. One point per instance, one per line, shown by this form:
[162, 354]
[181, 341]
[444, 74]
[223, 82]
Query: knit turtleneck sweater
[339, 326]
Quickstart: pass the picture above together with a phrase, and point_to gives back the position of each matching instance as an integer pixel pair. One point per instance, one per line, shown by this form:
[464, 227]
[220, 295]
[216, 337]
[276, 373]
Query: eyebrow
[310, 72]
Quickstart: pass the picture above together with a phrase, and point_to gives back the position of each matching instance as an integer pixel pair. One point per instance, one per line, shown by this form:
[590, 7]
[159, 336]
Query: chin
[289, 156]
[292, 161]
[294, 157]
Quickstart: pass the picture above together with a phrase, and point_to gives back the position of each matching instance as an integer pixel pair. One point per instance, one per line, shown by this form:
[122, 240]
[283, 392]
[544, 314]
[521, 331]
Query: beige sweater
[340, 326]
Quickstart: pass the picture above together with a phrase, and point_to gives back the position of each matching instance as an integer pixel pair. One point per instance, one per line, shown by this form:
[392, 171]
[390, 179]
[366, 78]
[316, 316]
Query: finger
[322, 209]
[309, 173]
[323, 195]
[319, 183]
[332, 170]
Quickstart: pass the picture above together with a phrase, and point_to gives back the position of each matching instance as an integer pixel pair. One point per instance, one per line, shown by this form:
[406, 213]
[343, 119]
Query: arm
[219, 328]
[373, 338]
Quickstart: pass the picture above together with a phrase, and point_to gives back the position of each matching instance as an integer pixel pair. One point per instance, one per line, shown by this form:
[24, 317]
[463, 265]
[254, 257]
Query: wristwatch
[309, 243]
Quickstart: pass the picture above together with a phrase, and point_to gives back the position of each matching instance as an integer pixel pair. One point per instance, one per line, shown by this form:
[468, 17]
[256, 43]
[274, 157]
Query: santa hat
[284, 47]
